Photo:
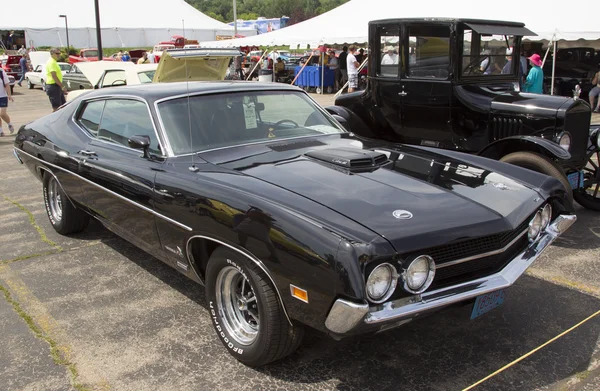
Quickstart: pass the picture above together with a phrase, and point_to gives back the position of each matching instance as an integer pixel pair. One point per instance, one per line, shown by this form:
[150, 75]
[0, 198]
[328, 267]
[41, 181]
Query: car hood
[497, 100]
[93, 70]
[193, 65]
[440, 193]
[38, 58]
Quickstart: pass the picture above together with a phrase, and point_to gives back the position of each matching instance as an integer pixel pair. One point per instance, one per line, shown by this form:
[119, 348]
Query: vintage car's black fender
[503, 147]
[351, 121]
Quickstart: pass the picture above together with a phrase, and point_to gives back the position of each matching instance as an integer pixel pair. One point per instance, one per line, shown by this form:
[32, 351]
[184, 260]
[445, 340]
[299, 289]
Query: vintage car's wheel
[539, 163]
[246, 312]
[63, 216]
[29, 85]
[589, 196]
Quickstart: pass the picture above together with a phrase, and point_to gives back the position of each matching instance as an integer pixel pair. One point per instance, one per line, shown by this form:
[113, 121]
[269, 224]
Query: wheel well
[200, 250]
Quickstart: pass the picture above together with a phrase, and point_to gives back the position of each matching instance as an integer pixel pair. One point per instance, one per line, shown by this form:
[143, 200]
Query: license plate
[487, 302]
[575, 179]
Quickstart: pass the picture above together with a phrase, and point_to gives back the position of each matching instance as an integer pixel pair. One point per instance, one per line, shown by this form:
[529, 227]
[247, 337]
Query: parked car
[179, 41]
[289, 220]
[75, 79]
[574, 66]
[37, 77]
[11, 83]
[159, 49]
[10, 65]
[454, 90]
[197, 64]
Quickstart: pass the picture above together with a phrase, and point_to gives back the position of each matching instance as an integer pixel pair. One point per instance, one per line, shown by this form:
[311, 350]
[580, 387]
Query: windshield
[90, 53]
[64, 66]
[146, 77]
[487, 55]
[225, 120]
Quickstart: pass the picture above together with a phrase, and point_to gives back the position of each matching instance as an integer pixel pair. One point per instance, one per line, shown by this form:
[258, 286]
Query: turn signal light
[299, 293]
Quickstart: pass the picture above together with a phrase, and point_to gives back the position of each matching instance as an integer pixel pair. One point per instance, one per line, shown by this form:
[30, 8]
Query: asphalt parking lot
[93, 312]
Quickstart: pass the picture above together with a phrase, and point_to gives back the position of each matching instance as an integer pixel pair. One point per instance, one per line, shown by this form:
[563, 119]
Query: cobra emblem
[402, 214]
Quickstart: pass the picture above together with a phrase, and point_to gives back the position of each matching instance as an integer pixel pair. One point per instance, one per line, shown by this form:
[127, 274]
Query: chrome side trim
[393, 312]
[168, 219]
[488, 254]
[248, 255]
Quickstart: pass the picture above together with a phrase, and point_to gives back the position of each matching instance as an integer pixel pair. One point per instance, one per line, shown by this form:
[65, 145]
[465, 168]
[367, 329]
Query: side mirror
[96, 86]
[140, 142]
[342, 121]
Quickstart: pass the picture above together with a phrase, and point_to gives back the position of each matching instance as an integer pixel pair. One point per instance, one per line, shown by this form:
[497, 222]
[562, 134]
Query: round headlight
[381, 283]
[418, 276]
[564, 140]
[535, 226]
[546, 216]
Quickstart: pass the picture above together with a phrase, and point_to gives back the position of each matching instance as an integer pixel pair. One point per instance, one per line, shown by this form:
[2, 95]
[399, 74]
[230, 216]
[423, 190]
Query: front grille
[577, 123]
[502, 127]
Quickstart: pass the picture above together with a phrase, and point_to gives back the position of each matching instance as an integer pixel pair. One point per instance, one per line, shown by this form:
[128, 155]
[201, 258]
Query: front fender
[500, 148]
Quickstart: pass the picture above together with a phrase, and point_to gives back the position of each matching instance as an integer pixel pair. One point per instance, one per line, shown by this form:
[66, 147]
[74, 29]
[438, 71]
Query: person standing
[595, 92]
[343, 65]
[334, 65]
[5, 96]
[23, 64]
[54, 88]
[143, 59]
[535, 79]
[352, 68]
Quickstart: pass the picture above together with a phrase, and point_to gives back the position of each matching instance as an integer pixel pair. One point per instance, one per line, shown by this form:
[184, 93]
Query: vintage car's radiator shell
[575, 121]
[502, 127]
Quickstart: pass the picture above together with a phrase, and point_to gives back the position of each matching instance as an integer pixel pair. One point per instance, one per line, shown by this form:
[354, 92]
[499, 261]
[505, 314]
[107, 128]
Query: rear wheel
[246, 312]
[63, 216]
[589, 195]
[29, 85]
[541, 164]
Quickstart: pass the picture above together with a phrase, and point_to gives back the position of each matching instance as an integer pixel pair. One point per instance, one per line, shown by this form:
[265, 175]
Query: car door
[124, 195]
[426, 86]
[385, 81]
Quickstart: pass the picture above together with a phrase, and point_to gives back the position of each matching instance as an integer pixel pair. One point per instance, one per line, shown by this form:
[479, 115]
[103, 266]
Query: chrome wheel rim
[54, 199]
[592, 177]
[237, 305]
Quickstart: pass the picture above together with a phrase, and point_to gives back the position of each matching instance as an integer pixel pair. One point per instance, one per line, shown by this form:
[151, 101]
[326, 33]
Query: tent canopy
[128, 23]
[348, 23]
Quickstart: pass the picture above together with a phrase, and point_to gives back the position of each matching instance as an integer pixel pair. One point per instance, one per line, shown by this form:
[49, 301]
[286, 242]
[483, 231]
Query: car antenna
[193, 167]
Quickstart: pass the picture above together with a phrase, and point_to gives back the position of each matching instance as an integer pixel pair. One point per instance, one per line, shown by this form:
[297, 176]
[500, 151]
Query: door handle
[86, 152]
[402, 93]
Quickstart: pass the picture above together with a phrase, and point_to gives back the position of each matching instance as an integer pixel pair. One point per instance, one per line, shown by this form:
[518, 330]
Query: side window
[124, 118]
[429, 55]
[389, 52]
[91, 115]
[113, 78]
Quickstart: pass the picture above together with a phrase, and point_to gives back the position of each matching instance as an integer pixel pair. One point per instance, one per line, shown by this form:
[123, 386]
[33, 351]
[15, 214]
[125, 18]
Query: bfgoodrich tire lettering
[267, 335]
[63, 216]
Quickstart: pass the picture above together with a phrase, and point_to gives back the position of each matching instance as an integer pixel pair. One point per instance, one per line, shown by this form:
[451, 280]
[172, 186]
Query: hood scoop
[349, 158]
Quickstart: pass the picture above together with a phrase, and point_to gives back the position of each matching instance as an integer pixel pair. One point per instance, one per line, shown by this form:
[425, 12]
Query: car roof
[157, 91]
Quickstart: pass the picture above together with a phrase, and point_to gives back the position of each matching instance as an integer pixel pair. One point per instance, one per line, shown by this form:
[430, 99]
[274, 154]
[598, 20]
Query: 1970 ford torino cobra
[286, 218]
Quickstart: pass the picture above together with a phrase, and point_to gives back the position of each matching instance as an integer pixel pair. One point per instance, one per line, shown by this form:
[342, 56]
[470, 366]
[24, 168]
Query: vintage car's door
[426, 86]
[75, 79]
[385, 77]
[124, 200]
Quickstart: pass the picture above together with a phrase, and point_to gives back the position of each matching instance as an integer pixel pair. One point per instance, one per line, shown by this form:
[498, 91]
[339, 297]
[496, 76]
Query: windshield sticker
[250, 116]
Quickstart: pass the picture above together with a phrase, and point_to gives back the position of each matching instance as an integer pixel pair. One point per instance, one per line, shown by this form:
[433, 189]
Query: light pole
[234, 19]
[67, 29]
[98, 31]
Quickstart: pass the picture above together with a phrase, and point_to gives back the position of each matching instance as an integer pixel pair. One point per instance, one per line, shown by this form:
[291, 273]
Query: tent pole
[553, 67]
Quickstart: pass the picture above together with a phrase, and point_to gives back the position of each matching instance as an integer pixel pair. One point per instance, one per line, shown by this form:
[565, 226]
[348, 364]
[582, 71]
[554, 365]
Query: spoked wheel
[64, 217]
[246, 311]
[237, 303]
[589, 195]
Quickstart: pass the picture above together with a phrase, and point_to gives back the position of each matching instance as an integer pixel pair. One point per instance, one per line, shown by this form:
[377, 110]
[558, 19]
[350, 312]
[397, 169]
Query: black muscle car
[289, 220]
[457, 84]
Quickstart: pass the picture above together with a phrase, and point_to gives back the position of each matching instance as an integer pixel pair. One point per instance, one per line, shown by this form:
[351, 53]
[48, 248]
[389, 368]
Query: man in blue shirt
[23, 64]
[535, 79]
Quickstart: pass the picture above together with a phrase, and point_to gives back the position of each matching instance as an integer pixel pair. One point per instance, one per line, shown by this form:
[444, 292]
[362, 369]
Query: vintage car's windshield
[231, 119]
[146, 76]
[487, 55]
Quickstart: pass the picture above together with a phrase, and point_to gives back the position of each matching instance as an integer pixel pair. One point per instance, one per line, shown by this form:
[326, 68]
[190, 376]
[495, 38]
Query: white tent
[124, 23]
[348, 23]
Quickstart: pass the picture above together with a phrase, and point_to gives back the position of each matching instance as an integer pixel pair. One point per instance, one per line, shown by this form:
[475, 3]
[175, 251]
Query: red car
[11, 66]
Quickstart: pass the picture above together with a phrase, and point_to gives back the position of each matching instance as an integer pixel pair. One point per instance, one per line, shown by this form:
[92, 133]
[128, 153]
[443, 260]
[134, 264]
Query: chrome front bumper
[346, 316]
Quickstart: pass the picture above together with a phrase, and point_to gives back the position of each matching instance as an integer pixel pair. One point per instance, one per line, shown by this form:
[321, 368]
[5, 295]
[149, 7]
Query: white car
[37, 76]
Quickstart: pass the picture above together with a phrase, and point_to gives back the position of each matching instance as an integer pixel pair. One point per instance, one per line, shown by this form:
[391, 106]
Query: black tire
[12, 89]
[64, 217]
[541, 164]
[274, 337]
[29, 85]
[582, 196]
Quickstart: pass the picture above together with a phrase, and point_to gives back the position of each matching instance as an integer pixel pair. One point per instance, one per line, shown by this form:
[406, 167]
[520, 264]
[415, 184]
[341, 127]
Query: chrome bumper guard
[346, 315]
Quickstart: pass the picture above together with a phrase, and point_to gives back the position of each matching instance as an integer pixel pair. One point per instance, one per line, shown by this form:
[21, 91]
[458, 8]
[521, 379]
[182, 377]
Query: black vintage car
[261, 195]
[455, 84]
[572, 67]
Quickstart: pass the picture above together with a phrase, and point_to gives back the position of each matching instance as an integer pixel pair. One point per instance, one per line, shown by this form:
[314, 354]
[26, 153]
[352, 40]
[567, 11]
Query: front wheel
[64, 217]
[541, 164]
[29, 85]
[589, 195]
[246, 312]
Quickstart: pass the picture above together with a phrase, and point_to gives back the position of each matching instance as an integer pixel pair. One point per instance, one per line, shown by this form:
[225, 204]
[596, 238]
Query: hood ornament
[402, 214]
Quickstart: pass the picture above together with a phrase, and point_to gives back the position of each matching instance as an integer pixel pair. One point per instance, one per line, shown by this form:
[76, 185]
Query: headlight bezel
[430, 275]
[559, 138]
[391, 286]
[534, 230]
[546, 216]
